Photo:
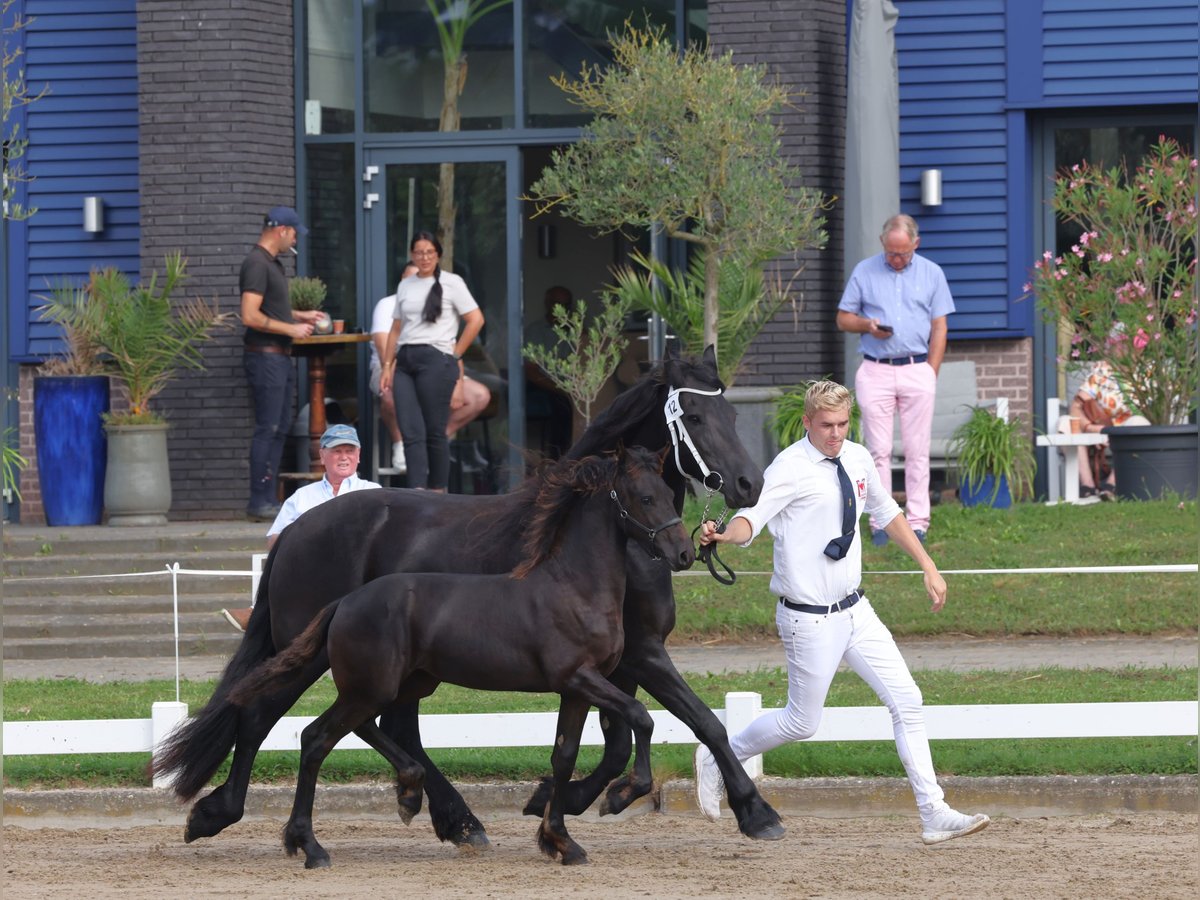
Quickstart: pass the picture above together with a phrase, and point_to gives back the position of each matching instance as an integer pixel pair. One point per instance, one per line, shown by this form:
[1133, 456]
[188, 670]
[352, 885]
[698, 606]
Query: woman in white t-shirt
[423, 361]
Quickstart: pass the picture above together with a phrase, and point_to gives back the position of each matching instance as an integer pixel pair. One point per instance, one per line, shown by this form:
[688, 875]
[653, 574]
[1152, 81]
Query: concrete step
[126, 562]
[222, 640]
[65, 586]
[84, 625]
[120, 605]
[21, 541]
[55, 606]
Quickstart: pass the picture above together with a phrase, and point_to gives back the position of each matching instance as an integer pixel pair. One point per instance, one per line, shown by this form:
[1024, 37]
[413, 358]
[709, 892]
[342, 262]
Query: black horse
[554, 625]
[360, 537]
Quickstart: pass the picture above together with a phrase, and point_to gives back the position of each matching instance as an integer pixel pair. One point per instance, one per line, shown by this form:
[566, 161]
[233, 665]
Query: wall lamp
[93, 214]
[931, 187]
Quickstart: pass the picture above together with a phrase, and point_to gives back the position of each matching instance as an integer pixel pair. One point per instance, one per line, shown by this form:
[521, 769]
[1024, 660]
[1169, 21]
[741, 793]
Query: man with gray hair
[898, 301]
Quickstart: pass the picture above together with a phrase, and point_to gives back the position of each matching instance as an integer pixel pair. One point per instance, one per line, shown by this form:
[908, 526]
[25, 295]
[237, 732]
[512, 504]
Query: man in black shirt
[271, 325]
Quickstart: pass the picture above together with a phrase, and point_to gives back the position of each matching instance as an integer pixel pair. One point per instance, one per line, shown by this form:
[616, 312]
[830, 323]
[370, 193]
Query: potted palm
[145, 338]
[994, 459]
[70, 398]
[1125, 294]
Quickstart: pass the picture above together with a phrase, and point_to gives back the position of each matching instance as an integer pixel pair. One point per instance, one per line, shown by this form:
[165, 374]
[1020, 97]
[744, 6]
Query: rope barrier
[1074, 570]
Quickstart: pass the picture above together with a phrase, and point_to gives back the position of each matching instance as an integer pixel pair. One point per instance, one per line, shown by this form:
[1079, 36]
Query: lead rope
[712, 481]
[708, 553]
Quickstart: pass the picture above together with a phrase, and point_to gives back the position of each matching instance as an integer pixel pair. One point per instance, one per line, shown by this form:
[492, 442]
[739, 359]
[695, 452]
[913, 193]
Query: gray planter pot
[755, 406]
[1152, 461]
[137, 484]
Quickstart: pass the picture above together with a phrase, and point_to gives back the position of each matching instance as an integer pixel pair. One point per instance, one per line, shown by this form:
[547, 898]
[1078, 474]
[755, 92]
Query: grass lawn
[1030, 535]
[81, 700]
[1027, 536]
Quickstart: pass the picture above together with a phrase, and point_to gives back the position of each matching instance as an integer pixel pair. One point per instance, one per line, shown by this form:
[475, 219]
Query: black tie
[840, 546]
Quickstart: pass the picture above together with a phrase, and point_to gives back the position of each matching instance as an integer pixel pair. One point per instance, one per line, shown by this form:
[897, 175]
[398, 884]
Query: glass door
[403, 196]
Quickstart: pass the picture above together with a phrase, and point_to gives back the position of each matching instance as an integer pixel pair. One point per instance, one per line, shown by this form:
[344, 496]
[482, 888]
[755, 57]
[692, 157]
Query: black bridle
[650, 533]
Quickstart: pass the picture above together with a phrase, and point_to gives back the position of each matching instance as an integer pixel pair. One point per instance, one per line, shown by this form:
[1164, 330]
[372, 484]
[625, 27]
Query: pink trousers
[882, 391]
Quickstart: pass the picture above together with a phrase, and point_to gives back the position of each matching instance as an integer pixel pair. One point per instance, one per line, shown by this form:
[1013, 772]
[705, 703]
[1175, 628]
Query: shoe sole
[942, 836]
[696, 766]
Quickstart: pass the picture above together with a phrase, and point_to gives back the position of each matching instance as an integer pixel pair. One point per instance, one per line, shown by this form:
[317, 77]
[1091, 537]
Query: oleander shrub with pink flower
[1126, 290]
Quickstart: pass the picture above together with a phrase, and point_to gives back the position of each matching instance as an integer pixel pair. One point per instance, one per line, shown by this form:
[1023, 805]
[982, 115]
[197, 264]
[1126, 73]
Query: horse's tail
[195, 750]
[281, 671]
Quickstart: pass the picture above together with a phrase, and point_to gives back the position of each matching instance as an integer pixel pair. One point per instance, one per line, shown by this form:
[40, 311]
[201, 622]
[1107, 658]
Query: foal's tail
[194, 751]
[282, 670]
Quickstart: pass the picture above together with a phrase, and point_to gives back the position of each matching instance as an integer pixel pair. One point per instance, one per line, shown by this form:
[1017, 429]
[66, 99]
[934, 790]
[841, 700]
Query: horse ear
[710, 356]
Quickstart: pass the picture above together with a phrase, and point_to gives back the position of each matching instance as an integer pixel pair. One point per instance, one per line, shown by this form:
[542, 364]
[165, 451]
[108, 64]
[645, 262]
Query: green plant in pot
[994, 458]
[146, 338]
[307, 293]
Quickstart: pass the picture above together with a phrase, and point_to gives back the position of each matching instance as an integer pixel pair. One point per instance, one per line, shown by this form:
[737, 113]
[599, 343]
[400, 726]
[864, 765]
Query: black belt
[899, 360]
[845, 603]
[267, 348]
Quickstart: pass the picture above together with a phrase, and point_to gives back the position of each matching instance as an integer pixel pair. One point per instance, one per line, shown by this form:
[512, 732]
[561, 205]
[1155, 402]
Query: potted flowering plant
[1126, 291]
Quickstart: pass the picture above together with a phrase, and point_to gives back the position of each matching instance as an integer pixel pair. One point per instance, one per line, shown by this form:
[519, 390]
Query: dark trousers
[272, 379]
[422, 386]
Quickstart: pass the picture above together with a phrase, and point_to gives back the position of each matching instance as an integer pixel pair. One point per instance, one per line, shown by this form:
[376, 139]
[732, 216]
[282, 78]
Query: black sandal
[1086, 490]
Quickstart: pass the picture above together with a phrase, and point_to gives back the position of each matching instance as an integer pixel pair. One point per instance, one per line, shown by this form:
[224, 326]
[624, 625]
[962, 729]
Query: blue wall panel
[952, 95]
[83, 141]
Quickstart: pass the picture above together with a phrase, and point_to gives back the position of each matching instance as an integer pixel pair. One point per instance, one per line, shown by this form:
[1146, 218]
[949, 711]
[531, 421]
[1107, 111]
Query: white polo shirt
[801, 505]
[313, 495]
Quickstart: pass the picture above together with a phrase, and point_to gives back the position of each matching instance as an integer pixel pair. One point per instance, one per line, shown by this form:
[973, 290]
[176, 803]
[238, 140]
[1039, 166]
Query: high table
[317, 349]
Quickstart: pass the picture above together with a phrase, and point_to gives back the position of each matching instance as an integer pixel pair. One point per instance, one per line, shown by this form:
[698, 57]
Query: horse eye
[693, 419]
[647, 500]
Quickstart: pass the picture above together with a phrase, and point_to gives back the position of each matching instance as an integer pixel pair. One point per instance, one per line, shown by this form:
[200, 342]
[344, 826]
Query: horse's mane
[566, 484]
[637, 404]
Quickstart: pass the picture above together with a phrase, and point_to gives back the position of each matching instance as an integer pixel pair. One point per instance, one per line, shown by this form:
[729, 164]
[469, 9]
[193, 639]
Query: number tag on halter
[673, 411]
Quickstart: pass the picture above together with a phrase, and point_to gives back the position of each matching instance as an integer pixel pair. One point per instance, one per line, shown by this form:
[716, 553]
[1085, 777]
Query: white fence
[854, 723]
[865, 723]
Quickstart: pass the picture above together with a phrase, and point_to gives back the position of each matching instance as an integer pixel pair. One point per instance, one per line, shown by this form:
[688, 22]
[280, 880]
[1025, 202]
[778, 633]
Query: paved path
[959, 655]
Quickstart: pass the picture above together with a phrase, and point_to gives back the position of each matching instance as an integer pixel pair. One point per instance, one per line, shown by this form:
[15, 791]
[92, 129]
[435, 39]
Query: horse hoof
[773, 832]
[470, 841]
[576, 857]
[318, 862]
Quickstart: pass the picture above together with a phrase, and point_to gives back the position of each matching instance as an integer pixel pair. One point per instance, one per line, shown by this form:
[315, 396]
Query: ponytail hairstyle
[433, 301]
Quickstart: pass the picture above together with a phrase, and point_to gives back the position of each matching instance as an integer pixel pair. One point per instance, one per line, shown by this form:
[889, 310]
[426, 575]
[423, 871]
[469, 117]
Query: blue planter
[981, 494]
[72, 450]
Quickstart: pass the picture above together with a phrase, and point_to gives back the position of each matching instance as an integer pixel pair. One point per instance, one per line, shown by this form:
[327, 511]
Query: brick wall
[805, 49]
[1002, 369]
[217, 144]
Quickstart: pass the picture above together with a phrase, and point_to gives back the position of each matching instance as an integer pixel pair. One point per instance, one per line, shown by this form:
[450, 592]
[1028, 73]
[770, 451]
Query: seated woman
[1098, 404]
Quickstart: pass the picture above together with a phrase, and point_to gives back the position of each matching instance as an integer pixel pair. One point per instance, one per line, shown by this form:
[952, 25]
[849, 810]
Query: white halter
[673, 410]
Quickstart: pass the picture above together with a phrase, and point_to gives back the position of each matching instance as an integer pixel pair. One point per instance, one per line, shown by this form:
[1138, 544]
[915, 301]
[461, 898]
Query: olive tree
[687, 141]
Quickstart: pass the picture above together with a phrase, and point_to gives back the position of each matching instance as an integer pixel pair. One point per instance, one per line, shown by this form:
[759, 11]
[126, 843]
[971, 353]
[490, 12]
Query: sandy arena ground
[659, 856]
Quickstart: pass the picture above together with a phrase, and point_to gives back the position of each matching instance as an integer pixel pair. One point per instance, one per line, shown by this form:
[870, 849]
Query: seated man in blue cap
[340, 451]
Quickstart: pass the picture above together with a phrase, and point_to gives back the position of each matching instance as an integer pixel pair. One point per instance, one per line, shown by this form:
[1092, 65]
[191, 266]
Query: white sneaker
[710, 786]
[398, 457]
[947, 824]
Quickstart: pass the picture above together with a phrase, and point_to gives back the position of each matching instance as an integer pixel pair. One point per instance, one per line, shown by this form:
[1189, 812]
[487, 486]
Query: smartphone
[887, 329]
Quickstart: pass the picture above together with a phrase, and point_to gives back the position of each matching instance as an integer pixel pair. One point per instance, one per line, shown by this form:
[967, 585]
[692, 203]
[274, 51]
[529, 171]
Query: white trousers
[815, 645]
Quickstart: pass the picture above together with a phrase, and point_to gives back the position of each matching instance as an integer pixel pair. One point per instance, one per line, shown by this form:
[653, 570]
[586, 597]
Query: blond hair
[826, 395]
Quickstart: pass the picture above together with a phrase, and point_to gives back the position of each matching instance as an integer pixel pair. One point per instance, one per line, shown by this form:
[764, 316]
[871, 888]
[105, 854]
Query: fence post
[742, 708]
[165, 715]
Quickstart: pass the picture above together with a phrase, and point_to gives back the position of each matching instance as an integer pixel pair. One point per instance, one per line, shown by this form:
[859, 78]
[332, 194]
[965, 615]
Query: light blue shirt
[801, 505]
[908, 300]
[313, 495]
